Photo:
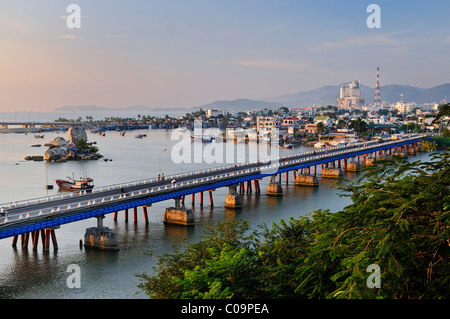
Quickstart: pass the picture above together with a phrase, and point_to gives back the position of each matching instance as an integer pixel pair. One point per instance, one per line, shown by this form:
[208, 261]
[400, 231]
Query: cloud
[116, 36]
[270, 64]
[68, 36]
[366, 41]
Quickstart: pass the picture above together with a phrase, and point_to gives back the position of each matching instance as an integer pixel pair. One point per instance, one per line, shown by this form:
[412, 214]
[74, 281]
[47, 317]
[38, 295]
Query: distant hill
[82, 108]
[240, 105]
[324, 95]
[96, 108]
[389, 93]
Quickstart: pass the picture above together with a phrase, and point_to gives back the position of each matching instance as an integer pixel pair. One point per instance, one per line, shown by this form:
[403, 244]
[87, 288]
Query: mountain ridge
[324, 95]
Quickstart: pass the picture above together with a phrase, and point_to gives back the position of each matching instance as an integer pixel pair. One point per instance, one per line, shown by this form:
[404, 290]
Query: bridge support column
[135, 214]
[233, 199]
[179, 215]
[257, 189]
[331, 172]
[353, 166]
[101, 237]
[307, 180]
[274, 188]
[144, 209]
[420, 148]
[47, 235]
[399, 152]
[369, 161]
[211, 202]
[411, 150]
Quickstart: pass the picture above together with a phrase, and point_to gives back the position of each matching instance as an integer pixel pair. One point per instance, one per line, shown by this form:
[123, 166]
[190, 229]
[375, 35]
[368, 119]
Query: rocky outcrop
[58, 141]
[37, 158]
[60, 150]
[75, 133]
[54, 154]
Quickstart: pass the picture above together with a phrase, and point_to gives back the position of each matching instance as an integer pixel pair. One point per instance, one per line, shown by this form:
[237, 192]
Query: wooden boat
[75, 184]
[320, 144]
[39, 136]
[289, 145]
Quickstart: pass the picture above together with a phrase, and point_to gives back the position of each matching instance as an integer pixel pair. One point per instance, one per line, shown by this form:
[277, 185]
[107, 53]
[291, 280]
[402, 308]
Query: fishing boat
[72, 184]
[39, 136]
[286, 145]
[320, 144]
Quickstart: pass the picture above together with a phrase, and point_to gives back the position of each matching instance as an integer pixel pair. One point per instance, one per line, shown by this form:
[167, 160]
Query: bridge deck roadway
[35, 214]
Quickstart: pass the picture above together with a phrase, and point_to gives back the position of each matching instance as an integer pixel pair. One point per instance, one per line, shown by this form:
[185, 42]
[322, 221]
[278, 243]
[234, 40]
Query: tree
[444, 110]
[398, 220]
[218, 266]
[320, 127]
[341, 123]
[359, 125]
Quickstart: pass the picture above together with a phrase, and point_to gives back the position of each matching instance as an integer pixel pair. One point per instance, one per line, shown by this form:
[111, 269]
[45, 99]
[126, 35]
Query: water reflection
[25, 273]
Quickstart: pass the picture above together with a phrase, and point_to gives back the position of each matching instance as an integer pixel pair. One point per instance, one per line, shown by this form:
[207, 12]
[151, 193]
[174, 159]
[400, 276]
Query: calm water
[29, 274]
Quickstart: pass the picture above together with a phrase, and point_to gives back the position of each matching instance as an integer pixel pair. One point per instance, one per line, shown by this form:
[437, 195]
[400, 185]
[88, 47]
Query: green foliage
[84, 145]
[358, 125]
[442, 141]
[398, 220]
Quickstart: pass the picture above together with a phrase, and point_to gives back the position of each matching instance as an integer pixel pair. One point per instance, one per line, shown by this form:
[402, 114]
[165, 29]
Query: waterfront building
[267, 123]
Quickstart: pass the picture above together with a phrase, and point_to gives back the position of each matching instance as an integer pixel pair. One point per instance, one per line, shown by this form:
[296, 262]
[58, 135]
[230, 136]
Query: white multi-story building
[267, 123]
[349, 95]
[402, 107]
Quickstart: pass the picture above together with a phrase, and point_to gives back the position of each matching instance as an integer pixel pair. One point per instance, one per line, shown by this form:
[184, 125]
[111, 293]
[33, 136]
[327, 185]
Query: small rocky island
[77, 148]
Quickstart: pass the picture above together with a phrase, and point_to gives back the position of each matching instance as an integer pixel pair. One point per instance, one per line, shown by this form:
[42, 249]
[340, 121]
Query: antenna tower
[377, 90]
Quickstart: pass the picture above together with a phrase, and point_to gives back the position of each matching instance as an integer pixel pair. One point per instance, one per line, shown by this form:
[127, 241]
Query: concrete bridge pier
[420, 148]
[332, 172]
[368, 161]
[101, 237]
[274, 188]
[411, 150]
[233, 199]
[399, 152]
[179, 215]
[353, 166]
[307, 179]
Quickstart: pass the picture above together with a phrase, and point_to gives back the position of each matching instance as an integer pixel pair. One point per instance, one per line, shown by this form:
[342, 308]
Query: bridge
[26, 127]
[29, 218]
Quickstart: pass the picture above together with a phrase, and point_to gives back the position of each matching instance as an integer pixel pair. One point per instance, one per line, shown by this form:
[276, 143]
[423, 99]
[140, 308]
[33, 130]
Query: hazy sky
[191, 52]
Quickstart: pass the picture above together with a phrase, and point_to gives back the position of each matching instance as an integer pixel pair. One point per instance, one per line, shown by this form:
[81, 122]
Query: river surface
[25, 273]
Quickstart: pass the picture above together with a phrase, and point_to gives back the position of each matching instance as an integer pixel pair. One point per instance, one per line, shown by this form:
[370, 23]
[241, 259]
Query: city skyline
[182, 54]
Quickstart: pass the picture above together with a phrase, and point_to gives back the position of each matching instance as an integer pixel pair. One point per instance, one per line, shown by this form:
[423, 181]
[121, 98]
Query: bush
[398, 220]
